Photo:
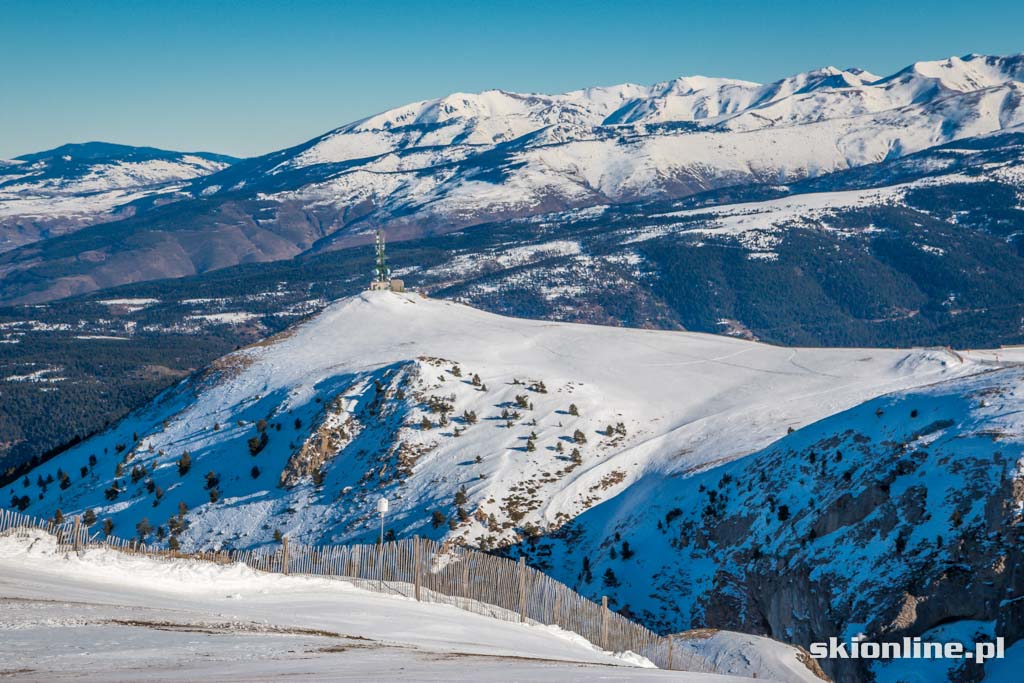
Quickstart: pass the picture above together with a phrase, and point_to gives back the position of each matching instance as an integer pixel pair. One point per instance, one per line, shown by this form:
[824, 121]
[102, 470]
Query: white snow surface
[968, 433]
[104, 616]
[742, 654]
[372, 363]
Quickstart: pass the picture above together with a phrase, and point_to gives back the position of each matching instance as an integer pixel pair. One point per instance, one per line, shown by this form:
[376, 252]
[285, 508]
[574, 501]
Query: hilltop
[480, 428]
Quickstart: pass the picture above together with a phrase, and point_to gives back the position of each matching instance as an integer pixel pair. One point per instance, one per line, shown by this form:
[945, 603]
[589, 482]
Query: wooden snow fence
[420, 569]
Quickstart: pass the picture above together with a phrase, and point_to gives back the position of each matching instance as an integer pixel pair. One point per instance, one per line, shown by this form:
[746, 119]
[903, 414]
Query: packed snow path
[110, 617]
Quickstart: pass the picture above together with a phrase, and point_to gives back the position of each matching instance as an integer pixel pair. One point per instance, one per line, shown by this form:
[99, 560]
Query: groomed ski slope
[686, 401]
[109, 617]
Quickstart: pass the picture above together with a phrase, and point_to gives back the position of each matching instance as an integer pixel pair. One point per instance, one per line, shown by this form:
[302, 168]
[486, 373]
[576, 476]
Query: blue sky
[249, 77]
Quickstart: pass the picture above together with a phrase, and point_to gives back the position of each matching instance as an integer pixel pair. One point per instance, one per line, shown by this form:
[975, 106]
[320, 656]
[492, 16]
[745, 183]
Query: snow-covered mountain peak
[864, 75]
[498, 425]
[965, 74]
[691, 84]
[470, 158]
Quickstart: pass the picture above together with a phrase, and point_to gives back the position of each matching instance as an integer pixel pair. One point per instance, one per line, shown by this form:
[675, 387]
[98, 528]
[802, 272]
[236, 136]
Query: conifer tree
[610, 580]
[184, 464]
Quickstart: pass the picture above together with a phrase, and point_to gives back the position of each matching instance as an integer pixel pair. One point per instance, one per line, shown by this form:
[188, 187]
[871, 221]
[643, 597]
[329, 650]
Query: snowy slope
[109, 617]
[899, 517]
[72, 186]
[377, 395]
[742, 654]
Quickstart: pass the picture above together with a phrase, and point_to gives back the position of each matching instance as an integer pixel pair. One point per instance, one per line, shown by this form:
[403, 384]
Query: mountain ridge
[468, 160]
[341, 399]
[65, 189]
[99, 149]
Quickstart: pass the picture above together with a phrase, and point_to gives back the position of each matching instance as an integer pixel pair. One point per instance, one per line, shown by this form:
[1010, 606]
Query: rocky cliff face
[894, 519]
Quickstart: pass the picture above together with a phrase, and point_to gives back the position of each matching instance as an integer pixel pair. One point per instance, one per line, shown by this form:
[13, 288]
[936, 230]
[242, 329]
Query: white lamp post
[382, 507]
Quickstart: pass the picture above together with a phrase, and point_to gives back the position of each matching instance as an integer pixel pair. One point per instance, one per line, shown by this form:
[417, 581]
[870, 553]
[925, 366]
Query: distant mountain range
[471, 159]
[72, 186]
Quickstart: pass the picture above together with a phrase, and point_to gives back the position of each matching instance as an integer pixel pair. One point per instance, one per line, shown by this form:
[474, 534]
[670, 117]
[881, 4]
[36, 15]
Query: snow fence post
[76, 542]
[669, 653]
[522, 588]
[604, 621]
[284, 555]
[418, 553]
